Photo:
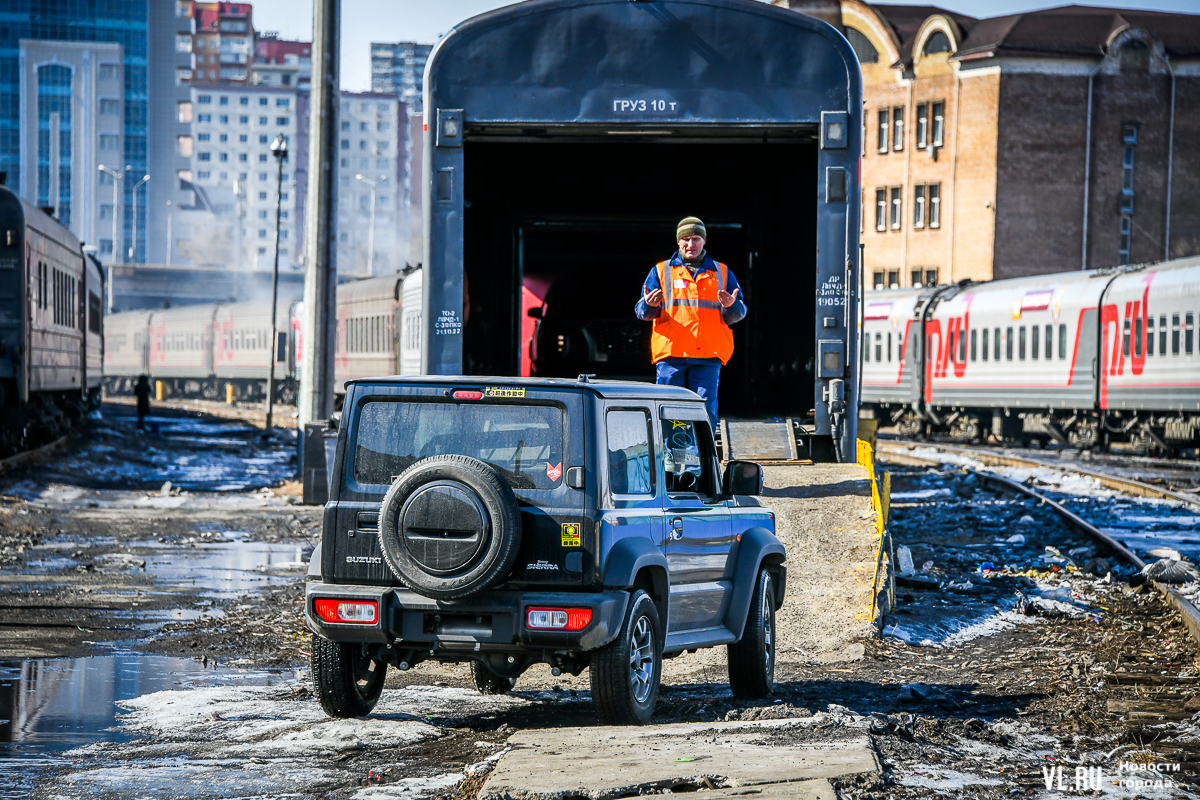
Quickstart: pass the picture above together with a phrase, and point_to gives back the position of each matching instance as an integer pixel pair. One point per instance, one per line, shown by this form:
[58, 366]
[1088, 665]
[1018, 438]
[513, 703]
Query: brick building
[1031, 143]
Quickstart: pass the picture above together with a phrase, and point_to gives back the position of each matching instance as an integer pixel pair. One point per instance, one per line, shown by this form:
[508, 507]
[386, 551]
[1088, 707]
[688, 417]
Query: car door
[697, 523]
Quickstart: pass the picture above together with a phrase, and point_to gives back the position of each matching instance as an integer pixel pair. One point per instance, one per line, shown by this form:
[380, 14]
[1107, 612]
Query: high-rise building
[371, 163]
[72, 122]
[38, 25]
[280, 62]
[222, 43]
[399, 68]
[233, 177]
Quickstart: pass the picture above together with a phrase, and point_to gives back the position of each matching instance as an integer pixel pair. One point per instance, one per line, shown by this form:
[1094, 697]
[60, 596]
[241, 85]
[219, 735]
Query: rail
[34, 454]
[1106, 479]
[1188, 612]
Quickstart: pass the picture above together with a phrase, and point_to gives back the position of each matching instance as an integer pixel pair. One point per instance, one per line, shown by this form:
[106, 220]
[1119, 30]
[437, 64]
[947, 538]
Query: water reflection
[50, 706]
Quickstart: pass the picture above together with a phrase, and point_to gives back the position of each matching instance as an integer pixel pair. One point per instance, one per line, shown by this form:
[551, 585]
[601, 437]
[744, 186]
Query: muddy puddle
[50, 707]
[190, 454]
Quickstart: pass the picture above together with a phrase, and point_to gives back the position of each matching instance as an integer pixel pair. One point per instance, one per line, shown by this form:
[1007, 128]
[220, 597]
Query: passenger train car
[214, 350]
[1082, 358]
[51, 326]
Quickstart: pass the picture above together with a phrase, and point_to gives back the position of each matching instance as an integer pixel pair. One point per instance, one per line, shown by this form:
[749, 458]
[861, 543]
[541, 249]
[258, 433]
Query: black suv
[507, 522]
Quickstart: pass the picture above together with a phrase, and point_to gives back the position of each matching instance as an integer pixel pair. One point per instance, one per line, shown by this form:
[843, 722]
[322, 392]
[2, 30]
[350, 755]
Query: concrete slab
[819, 789]
[606, 762]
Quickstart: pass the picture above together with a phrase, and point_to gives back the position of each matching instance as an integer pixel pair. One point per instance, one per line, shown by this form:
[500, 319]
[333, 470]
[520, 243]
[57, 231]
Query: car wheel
[347, 679]
[450, 526]
[626, 672]
[488, 682]
[752, 659]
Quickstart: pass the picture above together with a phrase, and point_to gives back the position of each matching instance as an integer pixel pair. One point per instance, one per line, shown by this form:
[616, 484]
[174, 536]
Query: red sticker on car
[553, 471]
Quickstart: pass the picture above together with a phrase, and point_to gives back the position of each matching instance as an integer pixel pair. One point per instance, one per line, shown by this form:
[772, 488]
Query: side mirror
[335, 420]
[535, 312]
[742, 477]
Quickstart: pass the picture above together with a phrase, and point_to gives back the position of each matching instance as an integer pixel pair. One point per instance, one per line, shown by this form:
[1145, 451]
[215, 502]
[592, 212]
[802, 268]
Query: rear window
[523, 442]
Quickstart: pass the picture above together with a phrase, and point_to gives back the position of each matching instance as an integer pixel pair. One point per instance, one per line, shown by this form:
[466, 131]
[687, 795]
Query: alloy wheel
[641, 659]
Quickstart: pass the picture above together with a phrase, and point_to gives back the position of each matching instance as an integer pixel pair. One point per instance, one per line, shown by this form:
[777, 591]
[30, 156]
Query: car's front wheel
[347, 679]
[626, 672]
[752, 659]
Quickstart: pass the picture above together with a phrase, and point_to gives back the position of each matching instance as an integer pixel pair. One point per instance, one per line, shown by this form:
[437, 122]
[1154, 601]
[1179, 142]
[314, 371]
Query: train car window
[900, 348]
[878, 347]
[1008, 344]
[985, 344]
[1150, 336]
[962, 347]
[889, 347]
[1034, 342]
[1021, 345]
[95, 313]
[1189, 321]
[973, 343]
[996, 346]
[1137, 337]
[1049, 342]
[1174, 334]
[867, 348]
[1162, 334]
[1062, 341]
[1125, 338]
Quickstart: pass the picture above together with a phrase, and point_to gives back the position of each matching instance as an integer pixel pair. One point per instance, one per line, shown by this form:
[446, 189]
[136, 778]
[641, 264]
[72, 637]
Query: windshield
[523, 442]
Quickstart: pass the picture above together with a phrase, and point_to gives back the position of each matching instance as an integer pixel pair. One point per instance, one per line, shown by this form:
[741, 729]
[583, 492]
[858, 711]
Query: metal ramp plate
[757, 440]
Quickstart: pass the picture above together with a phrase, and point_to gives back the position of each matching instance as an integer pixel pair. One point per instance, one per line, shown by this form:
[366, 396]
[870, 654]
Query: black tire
[348, 681]
[626, 672]
[752, 659]
[488, 682]
[449, 527]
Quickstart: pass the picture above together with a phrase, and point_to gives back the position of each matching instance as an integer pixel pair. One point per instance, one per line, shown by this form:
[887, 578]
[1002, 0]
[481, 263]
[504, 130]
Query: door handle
[677, 528]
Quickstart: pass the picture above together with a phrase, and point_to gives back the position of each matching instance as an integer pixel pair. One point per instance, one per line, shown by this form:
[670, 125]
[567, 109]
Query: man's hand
[653, 299]
[726, 299]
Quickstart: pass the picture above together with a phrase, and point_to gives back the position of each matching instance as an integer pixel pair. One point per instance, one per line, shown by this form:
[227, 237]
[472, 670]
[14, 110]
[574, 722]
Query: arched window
[1135, 56]
[866, 52]
[939, 42]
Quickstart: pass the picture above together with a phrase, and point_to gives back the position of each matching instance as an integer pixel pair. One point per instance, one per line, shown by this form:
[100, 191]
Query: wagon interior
[573, 227]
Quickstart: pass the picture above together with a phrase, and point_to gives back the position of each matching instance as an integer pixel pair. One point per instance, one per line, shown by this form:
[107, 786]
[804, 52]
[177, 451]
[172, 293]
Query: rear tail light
[463, 394]
[558, 619]
[356, 612]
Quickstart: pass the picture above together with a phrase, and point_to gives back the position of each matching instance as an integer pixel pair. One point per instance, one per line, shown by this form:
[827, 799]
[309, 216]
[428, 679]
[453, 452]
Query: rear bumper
[490, 621]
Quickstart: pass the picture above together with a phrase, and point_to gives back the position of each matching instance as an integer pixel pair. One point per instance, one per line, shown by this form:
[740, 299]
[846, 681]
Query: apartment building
[371, 163]
[399, 68]
[233, 176]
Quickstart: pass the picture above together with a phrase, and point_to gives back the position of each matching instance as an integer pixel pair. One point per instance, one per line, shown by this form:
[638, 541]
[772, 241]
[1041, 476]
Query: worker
[142, 392]
[692, 300]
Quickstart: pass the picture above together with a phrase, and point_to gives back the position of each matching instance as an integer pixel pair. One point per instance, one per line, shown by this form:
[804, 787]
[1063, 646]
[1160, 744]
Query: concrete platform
[738, 759]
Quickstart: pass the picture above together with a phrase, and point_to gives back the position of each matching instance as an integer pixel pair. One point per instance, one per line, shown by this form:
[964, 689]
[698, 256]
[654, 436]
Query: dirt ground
[984, 714]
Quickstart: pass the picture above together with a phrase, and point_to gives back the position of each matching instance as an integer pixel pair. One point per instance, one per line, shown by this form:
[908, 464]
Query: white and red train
[202, 350]
[1084, 358]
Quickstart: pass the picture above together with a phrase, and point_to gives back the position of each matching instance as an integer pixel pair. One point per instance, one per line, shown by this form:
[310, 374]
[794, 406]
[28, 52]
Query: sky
[366, 21]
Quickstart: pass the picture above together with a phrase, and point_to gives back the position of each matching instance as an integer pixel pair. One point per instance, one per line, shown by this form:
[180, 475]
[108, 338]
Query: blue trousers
[702, 378]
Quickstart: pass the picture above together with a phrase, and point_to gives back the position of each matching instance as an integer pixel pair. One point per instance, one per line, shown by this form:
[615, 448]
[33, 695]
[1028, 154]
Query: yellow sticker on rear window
[503, 391]
[570, 534]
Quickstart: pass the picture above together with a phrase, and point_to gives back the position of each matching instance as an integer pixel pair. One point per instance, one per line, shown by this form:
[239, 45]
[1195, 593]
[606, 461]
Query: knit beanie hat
[690, 226]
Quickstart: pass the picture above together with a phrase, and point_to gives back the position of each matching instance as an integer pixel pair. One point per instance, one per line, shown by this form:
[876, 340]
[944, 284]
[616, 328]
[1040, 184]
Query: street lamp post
[371, 229]
[279, 150]
[116, 178]
[133, 244]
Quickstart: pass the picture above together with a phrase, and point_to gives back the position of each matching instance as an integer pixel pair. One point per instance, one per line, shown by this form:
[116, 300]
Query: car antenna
[585, 377]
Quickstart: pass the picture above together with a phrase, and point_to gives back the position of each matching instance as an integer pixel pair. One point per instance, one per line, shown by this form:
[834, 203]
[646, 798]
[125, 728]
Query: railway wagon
[179, 349]
[369, 320]
[1150, 365]
[892, 338]
[51, 324]
[1083, 358]
[557, 133]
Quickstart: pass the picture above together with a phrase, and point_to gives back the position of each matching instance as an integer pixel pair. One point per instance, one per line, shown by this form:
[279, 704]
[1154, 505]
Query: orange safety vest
[690, 325]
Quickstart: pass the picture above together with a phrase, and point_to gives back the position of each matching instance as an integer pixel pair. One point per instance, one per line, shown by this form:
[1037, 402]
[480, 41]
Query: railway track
[901, 455]
[1118, 483]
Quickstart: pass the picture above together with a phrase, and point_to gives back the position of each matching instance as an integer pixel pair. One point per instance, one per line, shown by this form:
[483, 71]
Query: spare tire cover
[449, 526]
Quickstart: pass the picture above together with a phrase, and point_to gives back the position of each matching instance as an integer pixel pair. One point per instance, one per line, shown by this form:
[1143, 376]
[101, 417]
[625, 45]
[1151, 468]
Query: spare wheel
[450, 526]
